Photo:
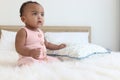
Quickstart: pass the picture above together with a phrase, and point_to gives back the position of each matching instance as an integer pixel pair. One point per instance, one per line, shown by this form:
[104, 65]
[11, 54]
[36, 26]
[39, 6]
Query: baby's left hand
[62, 46]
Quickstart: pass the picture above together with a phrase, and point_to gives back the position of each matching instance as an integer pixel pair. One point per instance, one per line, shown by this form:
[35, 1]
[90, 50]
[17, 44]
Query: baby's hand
[35, 53]
[62, 46]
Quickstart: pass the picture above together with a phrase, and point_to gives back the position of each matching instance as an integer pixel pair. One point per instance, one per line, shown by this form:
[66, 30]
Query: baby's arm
[20, 45]
[52, 46]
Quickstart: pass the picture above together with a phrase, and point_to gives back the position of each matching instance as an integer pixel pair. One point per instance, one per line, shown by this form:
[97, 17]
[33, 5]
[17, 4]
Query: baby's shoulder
[21, 31]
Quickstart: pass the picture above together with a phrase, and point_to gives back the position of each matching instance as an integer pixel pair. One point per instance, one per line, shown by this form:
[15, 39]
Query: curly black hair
[24, 4]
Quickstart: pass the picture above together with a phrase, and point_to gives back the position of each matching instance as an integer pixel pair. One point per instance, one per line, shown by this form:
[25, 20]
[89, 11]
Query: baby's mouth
[39, 22]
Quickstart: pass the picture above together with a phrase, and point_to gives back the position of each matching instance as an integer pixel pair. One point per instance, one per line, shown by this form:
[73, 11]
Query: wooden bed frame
[52, 29]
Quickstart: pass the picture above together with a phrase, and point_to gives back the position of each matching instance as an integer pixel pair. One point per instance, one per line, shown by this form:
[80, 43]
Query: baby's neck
[32, 28]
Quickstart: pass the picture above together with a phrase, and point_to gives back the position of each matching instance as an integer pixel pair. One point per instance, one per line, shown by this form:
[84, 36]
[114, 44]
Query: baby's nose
[39, 16]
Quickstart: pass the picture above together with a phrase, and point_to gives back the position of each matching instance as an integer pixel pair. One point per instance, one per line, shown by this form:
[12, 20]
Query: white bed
[81, 60]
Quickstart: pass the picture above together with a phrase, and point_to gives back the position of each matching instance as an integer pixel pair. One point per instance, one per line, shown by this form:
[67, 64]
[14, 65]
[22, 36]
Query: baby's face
[33, 15]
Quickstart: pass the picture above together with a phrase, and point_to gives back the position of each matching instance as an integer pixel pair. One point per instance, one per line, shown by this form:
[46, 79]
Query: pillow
[78, 51]
[67, 37]
[7, 41]
[78, 45]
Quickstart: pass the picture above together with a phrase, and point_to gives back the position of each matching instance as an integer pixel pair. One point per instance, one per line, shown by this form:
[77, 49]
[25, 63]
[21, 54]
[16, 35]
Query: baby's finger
[63, 45]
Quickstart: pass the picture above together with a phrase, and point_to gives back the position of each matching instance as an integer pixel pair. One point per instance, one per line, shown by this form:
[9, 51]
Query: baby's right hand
[35, 53]
[62, 46]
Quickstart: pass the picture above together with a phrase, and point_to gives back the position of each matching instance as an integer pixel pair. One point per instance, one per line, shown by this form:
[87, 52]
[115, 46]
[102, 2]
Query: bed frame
[52, 29]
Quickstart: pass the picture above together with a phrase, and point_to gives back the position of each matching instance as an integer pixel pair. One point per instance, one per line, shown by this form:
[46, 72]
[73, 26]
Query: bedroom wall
[101, 15]
[119, 22]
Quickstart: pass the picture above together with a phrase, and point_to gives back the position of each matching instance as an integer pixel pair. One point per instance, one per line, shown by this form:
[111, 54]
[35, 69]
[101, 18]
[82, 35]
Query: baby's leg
[52, 59]
[26, 61]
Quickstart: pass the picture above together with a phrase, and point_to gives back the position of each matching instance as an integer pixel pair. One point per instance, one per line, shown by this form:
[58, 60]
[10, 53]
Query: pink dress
[35, 39]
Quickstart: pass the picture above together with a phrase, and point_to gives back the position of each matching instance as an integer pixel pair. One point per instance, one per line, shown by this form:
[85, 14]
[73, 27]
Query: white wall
[119, 22]
[101, 15]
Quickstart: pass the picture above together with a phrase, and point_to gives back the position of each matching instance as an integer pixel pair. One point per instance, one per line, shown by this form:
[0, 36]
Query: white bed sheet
[102, 67]
[96, 67]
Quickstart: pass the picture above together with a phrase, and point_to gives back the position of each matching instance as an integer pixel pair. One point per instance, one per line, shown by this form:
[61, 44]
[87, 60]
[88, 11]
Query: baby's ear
[23, 18]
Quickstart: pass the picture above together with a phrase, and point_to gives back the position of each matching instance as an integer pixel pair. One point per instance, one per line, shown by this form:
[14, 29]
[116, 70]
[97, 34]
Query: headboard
[52, 29]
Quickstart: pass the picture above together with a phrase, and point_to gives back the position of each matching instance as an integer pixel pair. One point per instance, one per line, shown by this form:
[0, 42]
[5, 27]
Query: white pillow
[67, 37]
[7, 41]
[78, 51]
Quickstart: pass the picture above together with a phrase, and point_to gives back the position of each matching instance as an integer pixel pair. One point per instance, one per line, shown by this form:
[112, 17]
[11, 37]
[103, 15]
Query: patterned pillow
[78, 52]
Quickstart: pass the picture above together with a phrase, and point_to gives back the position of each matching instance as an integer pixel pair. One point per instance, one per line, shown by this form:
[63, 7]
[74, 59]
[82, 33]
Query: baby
[30, 42]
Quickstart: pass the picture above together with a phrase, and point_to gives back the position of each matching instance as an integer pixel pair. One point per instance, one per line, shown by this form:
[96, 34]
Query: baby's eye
[42, 14]
[35, 13]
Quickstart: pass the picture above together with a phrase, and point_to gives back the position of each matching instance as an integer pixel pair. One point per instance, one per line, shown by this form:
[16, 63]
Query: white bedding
[93, 62]
[98, 67]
